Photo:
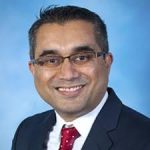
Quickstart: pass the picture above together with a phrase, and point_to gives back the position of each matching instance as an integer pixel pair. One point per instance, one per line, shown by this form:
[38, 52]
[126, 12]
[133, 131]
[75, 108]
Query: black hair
[63, 14]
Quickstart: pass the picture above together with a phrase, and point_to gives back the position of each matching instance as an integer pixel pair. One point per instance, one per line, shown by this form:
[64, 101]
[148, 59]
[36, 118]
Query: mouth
[70, 91]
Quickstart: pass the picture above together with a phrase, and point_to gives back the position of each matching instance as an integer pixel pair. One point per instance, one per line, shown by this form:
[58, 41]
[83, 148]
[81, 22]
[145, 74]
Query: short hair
[63, 14]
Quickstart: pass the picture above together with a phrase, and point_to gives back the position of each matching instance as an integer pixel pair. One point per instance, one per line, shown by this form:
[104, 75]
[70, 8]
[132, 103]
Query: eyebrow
[84, 48]
[47, 52]
[78, 49]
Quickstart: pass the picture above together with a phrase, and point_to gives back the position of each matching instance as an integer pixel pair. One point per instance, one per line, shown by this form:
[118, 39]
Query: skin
[71, 90]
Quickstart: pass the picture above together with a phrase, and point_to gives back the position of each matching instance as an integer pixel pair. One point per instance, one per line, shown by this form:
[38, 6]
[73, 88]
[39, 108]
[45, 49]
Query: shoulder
[126, 114]
[37, 117]
[131, 117]
[33, 127]
[132, 129]
[36, 122]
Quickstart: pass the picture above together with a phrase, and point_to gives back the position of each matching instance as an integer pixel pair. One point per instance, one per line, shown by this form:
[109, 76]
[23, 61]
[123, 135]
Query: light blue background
[128, 23]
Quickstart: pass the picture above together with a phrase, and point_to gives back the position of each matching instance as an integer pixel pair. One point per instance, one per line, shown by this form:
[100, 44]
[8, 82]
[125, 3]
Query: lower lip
[71, 94]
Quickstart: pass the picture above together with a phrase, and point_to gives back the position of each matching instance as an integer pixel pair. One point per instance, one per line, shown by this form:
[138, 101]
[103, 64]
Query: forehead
[64, 37]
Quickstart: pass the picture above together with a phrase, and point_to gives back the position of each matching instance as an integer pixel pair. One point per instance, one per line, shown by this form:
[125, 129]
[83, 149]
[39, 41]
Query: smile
[69, 89]
[70, 92]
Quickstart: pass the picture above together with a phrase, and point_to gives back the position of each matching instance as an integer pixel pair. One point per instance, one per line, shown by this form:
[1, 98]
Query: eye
[82, 58]
[50, 60]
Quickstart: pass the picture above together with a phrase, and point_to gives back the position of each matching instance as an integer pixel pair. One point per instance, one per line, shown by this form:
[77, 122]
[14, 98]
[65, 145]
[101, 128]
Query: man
[70, 63]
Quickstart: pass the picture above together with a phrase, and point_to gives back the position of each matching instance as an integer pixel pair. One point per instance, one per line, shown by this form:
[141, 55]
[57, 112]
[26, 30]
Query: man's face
[71, 90]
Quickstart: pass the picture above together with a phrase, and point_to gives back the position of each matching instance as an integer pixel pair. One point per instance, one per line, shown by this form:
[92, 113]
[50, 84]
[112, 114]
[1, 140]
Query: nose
[68, 71]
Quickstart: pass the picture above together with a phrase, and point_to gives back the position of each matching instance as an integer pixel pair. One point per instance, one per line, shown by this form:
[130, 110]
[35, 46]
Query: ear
[108, 60]
[31, 68]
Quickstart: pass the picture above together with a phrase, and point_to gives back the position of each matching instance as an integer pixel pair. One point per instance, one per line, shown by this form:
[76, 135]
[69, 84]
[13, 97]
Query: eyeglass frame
[97, 54]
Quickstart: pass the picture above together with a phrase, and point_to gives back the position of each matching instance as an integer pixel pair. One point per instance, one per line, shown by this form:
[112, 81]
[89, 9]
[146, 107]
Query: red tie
[68, 136]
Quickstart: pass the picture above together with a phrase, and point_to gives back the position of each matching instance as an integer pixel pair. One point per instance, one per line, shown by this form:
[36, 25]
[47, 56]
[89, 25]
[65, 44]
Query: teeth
[71, 89]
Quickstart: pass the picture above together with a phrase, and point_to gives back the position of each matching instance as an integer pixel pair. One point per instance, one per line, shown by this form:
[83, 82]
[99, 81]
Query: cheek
[101, 70]
[41, 78]
[98, 74]
[93, 71]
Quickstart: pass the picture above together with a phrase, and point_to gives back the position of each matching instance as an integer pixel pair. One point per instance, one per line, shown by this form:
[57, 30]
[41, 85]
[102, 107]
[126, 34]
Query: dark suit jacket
[116, 127]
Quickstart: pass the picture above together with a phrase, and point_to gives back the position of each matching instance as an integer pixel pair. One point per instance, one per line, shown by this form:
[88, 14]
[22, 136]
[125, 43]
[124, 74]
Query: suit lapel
[99, 137]
[41, 133]
[97, 140]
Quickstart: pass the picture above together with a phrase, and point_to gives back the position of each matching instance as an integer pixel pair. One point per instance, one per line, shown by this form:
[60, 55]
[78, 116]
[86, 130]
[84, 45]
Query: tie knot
[70, 132]
[68, 136]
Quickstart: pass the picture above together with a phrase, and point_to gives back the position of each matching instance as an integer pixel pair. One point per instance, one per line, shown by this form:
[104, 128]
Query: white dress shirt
[83, 124]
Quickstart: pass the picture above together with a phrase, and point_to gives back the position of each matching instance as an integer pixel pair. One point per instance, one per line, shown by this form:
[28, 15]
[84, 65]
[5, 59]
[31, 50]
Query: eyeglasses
[79, 59]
